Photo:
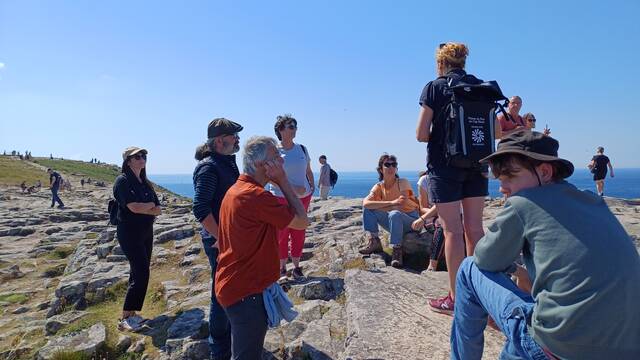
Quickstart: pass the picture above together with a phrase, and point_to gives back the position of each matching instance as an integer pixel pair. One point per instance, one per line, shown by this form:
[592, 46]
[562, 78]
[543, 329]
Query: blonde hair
[452, 55]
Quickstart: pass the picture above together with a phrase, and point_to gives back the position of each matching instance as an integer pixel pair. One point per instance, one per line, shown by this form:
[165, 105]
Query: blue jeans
[54, 197]
[481, 293]
[219, 327]
[396, 222]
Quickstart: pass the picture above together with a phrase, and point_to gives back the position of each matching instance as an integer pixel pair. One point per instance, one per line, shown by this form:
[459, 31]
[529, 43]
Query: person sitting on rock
[248, 262]
[577, 308]
[429, 211]
[389, 204]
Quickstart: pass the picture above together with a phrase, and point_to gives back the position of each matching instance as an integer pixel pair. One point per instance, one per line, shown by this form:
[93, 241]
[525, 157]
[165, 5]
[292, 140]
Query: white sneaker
[132, 323]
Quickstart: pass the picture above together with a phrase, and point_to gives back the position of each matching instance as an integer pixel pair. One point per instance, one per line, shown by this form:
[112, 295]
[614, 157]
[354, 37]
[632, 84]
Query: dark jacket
[212, 177]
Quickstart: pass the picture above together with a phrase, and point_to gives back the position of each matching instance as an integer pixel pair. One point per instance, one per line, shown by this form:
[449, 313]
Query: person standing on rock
[138, 207]
[54, 184]
[451, 188]
[389, 204]
[248, 262]
[598, 166]
[324, 182]
[215, 173]
[578, 308]
[297, 165]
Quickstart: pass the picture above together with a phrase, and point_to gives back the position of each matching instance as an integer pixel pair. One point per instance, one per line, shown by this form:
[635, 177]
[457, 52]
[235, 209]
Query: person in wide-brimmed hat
[568, 304]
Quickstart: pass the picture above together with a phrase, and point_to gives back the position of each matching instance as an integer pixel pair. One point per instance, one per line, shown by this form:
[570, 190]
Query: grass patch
[357, 263]
[60, 253]
[14, 298]
[14, 172]
[54, 271]
[101, 172]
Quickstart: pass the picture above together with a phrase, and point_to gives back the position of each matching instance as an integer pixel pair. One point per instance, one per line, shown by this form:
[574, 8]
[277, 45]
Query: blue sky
[83, 79]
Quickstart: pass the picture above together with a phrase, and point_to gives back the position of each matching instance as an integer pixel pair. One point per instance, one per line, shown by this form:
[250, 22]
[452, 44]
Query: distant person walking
[450, 187]
[138, 206]
[297, 166]
[390, 205]
[513, 121]
[82, 182]
[248, 260]
[55, 181]
[324, 182]
[215, 173]
[598, 166]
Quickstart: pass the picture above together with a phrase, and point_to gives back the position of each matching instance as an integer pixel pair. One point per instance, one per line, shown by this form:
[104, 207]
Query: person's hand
[417, 224]
[275, 171]
[546, 131]
[399, 201]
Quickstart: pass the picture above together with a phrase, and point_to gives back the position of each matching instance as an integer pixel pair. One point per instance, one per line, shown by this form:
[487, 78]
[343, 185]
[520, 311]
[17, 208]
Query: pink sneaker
[443, 305]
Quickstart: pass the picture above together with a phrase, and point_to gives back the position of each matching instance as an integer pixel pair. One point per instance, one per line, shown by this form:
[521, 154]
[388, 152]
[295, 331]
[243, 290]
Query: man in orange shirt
[248, 262]
[513, 122]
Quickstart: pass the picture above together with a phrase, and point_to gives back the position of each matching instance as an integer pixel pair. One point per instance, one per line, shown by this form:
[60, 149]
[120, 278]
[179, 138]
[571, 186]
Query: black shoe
[283, 276]
[297, 274]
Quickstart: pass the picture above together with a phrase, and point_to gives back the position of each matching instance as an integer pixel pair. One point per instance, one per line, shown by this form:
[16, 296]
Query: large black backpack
[469, 120]
[333, 177]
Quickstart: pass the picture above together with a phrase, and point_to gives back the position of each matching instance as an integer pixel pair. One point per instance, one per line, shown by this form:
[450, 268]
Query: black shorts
[449, 184]
[599, 175]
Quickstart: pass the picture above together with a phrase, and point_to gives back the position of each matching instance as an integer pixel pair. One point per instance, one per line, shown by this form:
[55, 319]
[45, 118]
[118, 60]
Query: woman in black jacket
[138, 206]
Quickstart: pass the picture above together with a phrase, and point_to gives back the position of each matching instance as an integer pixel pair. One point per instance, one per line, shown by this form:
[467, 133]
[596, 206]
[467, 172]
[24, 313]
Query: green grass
[54, 271]
[14, 298]
[14, 172]
[60, 253]
[91, 235]
[102, 172]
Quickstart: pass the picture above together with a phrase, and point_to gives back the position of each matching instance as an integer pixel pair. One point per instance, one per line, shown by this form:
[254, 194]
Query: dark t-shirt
[57, 177]
[601, 162]
[127, 189]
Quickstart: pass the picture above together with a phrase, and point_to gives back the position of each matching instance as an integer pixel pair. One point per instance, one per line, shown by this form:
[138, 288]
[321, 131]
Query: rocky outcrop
[86, 342]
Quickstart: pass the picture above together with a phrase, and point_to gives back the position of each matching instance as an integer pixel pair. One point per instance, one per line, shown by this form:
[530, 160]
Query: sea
[357, 184]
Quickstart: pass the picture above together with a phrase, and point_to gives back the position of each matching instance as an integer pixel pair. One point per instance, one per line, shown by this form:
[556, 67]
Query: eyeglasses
[291, 126]
[390, 164]
[139, 156]
[235, 135]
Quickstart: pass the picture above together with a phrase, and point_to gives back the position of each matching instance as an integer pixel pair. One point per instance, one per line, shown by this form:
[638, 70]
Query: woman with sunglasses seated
[530, 123]
[138, 207]
[297, 165]
[389, 204]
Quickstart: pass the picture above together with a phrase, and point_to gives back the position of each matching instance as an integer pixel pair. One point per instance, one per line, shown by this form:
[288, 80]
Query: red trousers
[297, 236]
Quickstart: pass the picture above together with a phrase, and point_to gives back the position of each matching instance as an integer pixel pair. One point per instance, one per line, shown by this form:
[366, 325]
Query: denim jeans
[396, 222]
[248, 318]
[54, 197]
[219, 327]
[482, 293]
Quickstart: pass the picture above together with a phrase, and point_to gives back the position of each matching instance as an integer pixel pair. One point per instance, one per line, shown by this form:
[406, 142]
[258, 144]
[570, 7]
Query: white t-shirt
[422, 184]
[295, 166]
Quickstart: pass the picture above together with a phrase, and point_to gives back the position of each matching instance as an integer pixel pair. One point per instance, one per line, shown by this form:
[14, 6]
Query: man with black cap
[212, 177]
[577, 307]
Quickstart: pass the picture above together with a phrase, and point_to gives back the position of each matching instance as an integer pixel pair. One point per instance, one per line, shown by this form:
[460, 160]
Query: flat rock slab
[388, 318]
[86, 341]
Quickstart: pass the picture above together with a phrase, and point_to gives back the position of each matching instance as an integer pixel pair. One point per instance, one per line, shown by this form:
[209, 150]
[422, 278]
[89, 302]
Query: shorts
[599, 175]
[449, 184]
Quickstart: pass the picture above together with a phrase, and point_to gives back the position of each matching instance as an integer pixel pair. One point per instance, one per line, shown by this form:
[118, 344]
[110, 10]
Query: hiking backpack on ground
[469, 120]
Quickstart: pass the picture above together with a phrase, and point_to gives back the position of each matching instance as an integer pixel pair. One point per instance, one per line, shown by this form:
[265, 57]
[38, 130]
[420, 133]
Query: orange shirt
[379, 193]
[247, 234]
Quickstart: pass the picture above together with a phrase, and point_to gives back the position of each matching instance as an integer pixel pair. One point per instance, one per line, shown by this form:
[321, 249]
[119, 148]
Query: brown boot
[373, 246]
[396, 257]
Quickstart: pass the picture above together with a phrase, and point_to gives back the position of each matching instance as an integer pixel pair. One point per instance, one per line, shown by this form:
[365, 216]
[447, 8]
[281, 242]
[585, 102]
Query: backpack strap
[304, 149]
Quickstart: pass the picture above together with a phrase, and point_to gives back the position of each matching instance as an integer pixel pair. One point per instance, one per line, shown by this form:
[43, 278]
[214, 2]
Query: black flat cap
[222, 126]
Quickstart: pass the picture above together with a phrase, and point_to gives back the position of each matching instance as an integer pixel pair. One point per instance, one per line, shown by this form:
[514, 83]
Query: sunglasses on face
[532, 120]
[291, 126]
[139, 156]
[390, 164]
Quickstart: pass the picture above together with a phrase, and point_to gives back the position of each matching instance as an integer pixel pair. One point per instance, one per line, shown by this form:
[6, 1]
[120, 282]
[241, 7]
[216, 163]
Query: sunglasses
[531, 120]
[139, 156]
[390, 164]
[291, 126]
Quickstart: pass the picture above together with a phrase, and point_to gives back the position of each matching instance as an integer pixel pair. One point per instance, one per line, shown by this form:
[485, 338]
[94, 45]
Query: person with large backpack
[137, 208]
[297, 165]
[457, 120]
[215, 173]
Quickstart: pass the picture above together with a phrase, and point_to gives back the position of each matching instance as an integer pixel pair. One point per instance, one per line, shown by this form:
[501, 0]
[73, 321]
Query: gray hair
[256, 150]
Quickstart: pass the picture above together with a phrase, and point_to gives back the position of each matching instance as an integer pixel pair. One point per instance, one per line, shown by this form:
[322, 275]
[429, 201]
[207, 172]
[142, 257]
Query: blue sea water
[625, 184]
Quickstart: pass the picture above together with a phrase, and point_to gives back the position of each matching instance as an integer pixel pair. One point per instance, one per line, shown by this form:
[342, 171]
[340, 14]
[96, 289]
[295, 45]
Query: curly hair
[452, 55]
[281, 121]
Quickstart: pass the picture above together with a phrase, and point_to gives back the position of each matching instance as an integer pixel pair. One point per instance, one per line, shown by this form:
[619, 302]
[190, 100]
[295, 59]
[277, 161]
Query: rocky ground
[63, 276]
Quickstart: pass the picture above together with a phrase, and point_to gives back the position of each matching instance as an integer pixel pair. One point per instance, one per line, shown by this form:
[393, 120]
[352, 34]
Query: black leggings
[136, 243]
[437, 243]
